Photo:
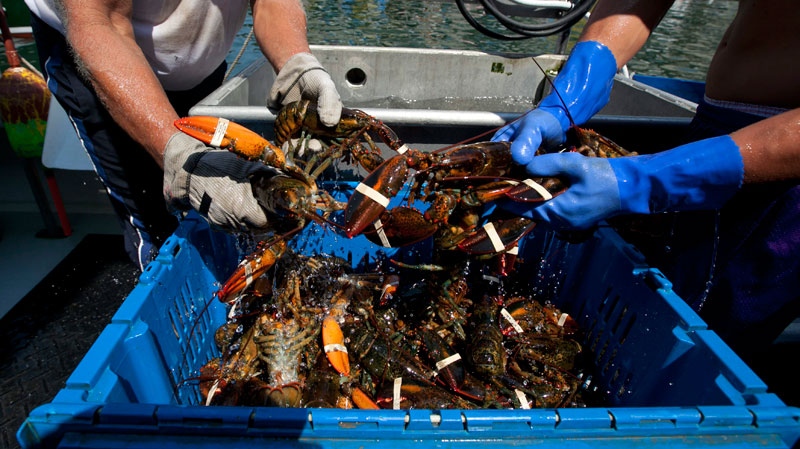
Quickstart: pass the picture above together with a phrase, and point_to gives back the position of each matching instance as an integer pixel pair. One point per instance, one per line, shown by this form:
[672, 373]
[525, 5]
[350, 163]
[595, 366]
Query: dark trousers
[738, 267]
[131, 176]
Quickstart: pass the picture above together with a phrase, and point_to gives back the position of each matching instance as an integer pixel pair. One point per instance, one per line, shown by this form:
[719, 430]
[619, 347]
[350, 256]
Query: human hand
[214, 182]
[581, 89]
[592, 196]
[528, 133]
[698, 175]
[303, 77]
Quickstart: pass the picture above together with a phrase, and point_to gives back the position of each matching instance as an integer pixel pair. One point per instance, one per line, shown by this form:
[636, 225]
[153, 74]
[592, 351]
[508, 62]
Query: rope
[241, 52]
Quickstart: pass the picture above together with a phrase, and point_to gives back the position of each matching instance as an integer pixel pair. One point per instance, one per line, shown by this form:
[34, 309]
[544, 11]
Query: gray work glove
[214, 182]
[303, 77]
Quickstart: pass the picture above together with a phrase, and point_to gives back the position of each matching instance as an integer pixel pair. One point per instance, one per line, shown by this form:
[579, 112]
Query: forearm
[280, 29]
[102, 38]
[624, 25]
[771, 148]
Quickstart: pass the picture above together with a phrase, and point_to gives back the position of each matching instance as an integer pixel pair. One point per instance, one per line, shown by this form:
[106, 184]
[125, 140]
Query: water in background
[681, 46]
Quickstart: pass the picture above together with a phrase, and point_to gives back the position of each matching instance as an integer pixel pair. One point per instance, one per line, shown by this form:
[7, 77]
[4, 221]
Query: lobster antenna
[553, 85]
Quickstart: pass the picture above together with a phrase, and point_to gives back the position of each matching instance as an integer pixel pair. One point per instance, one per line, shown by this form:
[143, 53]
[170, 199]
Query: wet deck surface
[57, 292]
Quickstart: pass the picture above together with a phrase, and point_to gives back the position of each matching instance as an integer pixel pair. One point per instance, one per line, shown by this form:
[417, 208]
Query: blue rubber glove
[584, 83]
[698, 175]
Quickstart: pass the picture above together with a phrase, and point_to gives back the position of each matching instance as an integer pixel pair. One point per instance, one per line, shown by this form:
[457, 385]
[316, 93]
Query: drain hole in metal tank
[355, 77]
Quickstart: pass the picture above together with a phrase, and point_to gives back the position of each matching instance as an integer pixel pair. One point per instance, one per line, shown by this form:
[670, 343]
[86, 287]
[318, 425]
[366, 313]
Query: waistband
[747, 108]
[715, 117]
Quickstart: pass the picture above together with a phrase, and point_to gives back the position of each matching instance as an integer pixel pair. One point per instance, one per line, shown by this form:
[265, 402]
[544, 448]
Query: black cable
[551, 27]
[494, 35]
[525, 30]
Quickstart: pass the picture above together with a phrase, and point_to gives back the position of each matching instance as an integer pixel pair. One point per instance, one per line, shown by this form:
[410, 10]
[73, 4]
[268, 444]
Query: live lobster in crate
[307, 329]
[454, 182]
[311, 332]
[316, 319]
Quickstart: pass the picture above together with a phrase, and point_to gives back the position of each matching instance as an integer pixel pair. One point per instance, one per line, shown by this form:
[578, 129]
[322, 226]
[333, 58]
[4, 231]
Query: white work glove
[214, 182]
[303, 77]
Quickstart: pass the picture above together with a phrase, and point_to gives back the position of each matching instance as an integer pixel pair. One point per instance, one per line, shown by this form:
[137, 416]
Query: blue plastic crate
[669, 381]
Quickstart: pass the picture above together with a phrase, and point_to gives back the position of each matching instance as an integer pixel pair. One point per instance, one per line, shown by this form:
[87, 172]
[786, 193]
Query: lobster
[457, 182]
[284, 327]
[291, 197]
[294, 195]
[309, 332]
[483, 160]
[531, 366]
[300, 118]
[474, 161]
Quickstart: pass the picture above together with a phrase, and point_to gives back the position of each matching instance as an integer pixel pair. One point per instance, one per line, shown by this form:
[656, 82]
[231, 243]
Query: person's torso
[183, 40]
[757, 60]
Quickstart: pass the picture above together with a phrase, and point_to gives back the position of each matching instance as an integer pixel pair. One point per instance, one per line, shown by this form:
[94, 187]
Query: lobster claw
[450, 370]
[251, 268]
[333, 344]
[536, 190]
[497, 236]
[362, 401]
[223, 133]
[372, 195]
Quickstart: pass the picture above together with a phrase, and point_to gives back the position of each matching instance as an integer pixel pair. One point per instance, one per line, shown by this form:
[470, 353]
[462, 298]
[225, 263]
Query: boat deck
[58, 293]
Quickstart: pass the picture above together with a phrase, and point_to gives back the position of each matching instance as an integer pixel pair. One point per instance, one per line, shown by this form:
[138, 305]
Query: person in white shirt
[124, 71]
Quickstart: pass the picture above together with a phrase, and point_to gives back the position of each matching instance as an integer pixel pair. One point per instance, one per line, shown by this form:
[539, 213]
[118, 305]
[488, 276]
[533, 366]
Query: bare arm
[624, 25]
[280, 29]
[101, 35]
[771, 148]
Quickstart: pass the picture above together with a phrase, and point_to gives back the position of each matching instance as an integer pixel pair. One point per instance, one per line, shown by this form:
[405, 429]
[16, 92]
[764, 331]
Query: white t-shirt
[184, 40]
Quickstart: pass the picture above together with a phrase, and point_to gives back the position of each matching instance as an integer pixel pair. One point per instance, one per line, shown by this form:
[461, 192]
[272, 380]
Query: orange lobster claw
[223, 133]
[333, 344]
[362, 401]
